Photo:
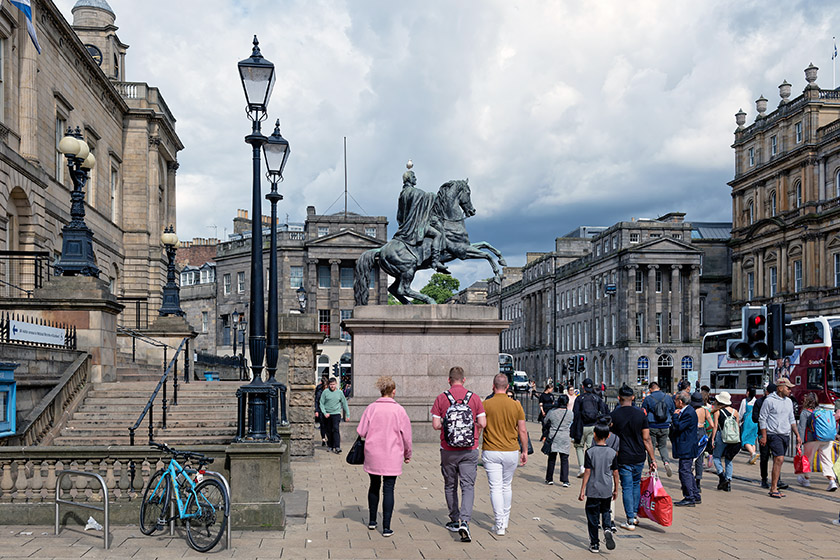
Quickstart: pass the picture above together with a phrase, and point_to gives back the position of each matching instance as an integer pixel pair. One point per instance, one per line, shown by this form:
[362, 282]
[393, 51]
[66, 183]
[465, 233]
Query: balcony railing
[23, 272]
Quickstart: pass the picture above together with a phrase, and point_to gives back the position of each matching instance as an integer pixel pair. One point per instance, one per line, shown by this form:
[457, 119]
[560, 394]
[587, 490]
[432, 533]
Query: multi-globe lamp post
[77, 257]
[258, 76]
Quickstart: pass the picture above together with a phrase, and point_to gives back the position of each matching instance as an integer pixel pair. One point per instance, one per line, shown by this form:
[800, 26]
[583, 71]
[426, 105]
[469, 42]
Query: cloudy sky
[560, 113]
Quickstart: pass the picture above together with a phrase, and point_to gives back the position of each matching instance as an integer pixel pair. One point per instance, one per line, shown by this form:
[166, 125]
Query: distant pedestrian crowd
[612, 448]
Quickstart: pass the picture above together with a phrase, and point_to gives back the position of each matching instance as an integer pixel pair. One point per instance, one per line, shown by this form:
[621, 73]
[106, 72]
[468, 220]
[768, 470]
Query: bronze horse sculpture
[398, 259]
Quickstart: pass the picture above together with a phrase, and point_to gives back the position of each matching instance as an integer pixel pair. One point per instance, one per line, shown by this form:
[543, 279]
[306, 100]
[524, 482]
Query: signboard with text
[40, 334]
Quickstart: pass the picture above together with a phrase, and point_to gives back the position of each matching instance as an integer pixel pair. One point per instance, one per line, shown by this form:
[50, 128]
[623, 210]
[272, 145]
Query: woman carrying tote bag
[386, 429]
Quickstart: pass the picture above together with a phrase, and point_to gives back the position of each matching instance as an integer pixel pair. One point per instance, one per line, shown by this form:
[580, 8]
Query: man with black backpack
[659, 408]
[587, 409]
[460, 417]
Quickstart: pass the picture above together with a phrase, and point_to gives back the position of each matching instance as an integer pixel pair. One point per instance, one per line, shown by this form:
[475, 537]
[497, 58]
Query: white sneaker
[580, 473]
[668, 470]
[835, 521]
[832, 485]
[499, 530]
[803, 481]
[628, 525]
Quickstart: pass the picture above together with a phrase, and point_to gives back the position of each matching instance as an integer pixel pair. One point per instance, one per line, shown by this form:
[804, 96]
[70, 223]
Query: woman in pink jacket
[386, 429]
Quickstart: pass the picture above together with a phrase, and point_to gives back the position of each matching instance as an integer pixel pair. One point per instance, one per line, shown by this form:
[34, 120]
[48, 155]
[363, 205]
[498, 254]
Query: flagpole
[834, 65]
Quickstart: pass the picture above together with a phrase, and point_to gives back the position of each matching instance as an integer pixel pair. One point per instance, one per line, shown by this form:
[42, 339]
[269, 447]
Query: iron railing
[8, 328]
[149, 409]
[136, 313]
[135, 336]
[23, 272]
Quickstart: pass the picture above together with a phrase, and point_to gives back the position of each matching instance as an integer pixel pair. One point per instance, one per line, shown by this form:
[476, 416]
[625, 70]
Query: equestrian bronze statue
[431, 232]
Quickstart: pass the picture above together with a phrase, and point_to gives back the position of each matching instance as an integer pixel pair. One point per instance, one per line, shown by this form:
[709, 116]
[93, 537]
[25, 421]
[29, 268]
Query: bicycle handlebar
[200, 457]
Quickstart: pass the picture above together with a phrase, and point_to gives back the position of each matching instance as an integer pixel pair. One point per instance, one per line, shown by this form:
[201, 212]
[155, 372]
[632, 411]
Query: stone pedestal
[299, 338]
[86, 303]
[417, 345]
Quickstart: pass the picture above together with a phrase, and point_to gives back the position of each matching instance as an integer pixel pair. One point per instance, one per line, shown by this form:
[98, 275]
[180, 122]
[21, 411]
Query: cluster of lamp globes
[73, 146]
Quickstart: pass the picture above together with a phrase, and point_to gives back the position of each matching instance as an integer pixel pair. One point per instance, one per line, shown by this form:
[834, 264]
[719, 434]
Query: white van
[520, 381]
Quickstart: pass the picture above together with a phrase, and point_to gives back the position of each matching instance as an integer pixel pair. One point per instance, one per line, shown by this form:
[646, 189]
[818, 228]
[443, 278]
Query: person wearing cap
[333, 404]
[723, 452]
[775, 422]
[704, 428]
[660, 428]
[631, 426]
[588, 407]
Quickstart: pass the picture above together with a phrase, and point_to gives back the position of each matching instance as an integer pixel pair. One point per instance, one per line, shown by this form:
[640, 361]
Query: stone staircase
[205, 414]
[138, 371]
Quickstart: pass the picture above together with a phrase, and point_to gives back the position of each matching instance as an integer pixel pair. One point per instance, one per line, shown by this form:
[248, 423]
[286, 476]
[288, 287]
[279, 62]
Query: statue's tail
[364, 268]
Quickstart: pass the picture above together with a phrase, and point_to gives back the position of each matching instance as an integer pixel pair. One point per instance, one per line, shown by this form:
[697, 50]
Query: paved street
[546, 522]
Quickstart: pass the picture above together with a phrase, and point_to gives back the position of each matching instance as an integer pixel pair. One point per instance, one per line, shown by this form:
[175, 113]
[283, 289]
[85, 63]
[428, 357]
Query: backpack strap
[467, 398]
[450, 397]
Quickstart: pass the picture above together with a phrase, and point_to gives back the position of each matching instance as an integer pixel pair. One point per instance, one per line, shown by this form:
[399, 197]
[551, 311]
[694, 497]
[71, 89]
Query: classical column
[676, 303]
[694, 295]
[28, 101]
[335, 286]
[651, 303]
[632, 301]
[312, 287]
[824, 281]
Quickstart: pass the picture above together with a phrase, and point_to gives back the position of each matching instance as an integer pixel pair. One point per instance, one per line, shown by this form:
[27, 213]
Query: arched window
[612, 371]
[686, 366]
[837, 183]
[798, 193]
[642, 370]
[772, 203]
[665, 360]
[751, 212]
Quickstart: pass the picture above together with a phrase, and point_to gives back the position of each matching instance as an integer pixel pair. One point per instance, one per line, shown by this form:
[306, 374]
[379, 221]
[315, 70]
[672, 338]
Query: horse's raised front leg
[394, 289]
[473, 253]
[405, 288]
[487, 246]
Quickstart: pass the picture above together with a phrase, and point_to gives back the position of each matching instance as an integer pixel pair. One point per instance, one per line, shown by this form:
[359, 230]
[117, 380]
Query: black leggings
[387, 498]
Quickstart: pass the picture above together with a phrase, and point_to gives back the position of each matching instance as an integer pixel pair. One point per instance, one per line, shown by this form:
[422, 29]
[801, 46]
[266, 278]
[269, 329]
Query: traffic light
[571, 364]
[753, 342]
[335, 370]
[581, 363]
[779, 336]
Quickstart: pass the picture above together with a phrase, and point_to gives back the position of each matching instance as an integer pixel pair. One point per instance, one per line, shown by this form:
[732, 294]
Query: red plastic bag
[655, 503]
[801, 464]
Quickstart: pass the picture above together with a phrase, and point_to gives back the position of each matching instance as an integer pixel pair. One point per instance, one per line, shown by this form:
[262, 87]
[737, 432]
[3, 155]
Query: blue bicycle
[202, 503]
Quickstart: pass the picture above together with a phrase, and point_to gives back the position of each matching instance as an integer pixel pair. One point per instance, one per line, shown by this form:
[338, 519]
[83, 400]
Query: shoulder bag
[546, 446]
[356, 455]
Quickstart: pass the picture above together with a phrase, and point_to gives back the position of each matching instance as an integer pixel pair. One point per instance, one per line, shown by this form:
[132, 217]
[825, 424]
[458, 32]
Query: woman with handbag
[386, 431]
[557, 422]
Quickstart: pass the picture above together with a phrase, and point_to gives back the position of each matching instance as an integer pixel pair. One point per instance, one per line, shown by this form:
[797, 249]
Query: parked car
[520, 381]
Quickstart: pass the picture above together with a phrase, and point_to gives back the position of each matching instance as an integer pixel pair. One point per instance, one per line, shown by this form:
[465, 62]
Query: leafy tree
[441, 287]
[392, 300]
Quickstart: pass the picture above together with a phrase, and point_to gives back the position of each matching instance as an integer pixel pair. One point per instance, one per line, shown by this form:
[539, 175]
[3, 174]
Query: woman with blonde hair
[386, 430]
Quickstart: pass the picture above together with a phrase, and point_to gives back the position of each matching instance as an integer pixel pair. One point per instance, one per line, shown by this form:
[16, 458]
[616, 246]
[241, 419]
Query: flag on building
[26, 7]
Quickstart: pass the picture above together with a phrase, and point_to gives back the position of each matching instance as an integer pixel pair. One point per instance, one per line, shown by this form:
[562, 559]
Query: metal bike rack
[172, 515]
[58, 500]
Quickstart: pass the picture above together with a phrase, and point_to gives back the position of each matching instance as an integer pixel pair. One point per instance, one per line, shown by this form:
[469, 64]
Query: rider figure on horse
[416, 220]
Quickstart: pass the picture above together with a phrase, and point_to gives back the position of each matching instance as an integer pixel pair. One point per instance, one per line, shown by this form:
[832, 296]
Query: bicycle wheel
[206, 528]
[155, 501]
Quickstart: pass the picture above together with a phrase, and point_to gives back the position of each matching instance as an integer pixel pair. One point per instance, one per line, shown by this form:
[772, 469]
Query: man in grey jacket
[775, 422]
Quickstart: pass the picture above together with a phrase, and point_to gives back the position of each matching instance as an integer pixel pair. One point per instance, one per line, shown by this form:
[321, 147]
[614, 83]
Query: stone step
[140, 439]
[181, 431]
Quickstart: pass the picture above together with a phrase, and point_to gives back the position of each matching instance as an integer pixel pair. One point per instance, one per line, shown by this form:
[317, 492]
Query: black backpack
[660, 411]
[590, 409]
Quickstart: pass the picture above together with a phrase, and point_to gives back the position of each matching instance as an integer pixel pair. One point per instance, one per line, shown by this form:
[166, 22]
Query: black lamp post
[276, 151]
[301, 296]
[171, 293]
[77, 255]
[235, 318]
[257, 75]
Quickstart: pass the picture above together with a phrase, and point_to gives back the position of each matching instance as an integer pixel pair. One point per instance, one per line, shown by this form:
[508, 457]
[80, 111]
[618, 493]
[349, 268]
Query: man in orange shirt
[505, 446]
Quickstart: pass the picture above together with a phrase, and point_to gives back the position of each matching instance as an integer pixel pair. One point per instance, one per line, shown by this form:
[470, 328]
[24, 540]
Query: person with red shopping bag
[631, 426]
[655, 503]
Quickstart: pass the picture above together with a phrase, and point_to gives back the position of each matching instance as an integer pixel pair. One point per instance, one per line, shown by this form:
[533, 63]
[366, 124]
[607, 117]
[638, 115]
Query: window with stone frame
[613, 327]
[205, 321]
[686, 365]
[597, 331]
[773, 275]
[772, 203]
[114, 184]
[774, 145]
[323, 231]
[798, 132]
[658, 276]
[345, 274]
[640, 327]
[324, 321]
[226, 284]
[323, 276]
[370, 231]
[751, 156]
[750, 285]
[640, 282]
[797, 276]
[634, 238]
[295, 276]
[642, 370]
[60, 160]
[837, 270]
[659, 328]
[240, 282]
[797, 189]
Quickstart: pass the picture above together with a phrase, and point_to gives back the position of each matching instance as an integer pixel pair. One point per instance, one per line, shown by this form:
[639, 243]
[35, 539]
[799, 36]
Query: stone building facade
[632, 299]
[78, 81]
[319, 255]
[786, 203]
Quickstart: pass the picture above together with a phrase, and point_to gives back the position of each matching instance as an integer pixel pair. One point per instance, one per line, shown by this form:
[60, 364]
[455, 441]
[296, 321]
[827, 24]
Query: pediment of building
[346, 238]
[665, 245]
[834, 242]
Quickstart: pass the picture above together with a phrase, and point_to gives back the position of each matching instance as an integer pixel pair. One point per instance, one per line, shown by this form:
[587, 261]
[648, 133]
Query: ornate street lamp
[301, 296]
[257, 75]
[77, 255]
[171, 293]
[276, 151]
[235, 318]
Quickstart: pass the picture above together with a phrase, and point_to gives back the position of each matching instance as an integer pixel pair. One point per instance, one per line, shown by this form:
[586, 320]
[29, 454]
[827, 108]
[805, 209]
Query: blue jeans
[722, 464]
[631, 493]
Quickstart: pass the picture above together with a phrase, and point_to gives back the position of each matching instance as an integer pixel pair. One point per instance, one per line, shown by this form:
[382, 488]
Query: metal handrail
[142, 337]
[150, 404]
[58, 500]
